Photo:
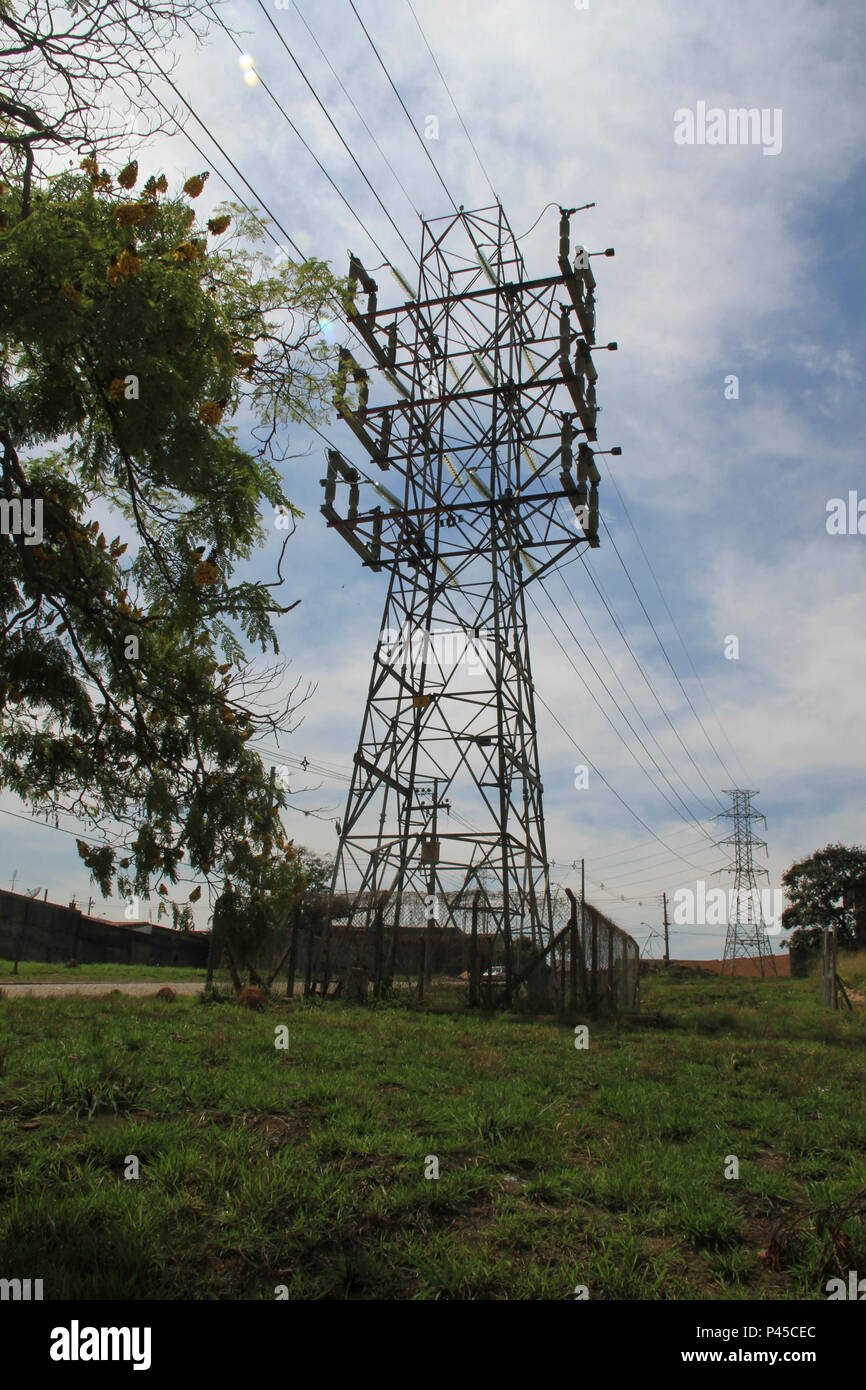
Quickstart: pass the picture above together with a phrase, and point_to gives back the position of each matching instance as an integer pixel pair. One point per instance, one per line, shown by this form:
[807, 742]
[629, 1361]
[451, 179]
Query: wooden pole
[667, 939]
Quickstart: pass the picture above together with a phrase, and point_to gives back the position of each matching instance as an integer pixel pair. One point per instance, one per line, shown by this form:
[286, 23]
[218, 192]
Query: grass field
[558, 1167]
[41, 972]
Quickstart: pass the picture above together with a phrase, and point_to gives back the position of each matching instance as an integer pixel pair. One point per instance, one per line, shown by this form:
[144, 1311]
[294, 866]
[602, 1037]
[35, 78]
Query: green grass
[43, 972]
[558, 1167]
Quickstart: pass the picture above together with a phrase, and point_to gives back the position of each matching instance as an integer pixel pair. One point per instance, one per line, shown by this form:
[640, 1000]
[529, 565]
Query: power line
[355, 109]
[77, 835]
[405, 110]
[335, 128]
[670, 614]
[610, 788]
[222, 151]
[665, 654]
[616, 854]
[597, 702]
[643, 673]
[454, 103]
[619, 681]
[539, 217]
[276, 221]
[310, 150]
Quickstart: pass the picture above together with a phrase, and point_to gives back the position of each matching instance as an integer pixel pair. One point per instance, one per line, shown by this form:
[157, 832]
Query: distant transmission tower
[747, 934]
[654, 946]
[480, 360]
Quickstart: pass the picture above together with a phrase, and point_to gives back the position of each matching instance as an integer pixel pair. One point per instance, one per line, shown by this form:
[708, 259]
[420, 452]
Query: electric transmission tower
[654, 946]
[747, 933]
[481, 360]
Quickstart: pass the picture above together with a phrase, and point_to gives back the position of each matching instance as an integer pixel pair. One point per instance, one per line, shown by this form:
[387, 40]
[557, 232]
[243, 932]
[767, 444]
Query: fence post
[474, 999]
[509, 959]
[308, 974]
[562, 971]
[594, 955]
[834, 993]
[572, 937]
[293, 950]
[422, 968]
[377, 959]
[610, 990]
[394, 946]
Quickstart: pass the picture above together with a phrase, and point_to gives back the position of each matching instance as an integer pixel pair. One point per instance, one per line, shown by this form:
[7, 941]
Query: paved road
[47, 988]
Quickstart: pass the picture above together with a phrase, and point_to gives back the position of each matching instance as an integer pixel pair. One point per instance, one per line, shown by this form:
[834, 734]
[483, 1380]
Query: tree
[298, 899]
[815, 888]
[127, 695]
[74, 76]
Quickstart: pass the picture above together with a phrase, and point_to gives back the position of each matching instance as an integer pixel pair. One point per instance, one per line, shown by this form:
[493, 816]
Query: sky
[736, 299]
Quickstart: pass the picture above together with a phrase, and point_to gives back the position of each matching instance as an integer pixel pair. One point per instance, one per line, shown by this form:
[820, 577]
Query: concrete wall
[38, 931]
[354, 946]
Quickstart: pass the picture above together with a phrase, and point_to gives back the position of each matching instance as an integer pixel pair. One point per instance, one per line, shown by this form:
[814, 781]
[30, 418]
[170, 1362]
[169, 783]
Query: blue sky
[728, 261]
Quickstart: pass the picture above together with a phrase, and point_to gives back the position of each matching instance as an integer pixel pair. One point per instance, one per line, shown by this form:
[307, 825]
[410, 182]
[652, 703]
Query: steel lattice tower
[481, 360]
[747, 934]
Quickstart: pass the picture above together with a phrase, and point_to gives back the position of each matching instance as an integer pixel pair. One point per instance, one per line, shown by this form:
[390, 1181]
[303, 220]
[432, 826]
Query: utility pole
[747, 934]
[494, 383]
[667, 940]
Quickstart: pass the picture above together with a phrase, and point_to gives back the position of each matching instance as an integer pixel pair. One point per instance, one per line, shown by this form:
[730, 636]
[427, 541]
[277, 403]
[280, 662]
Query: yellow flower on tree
[204, 574]
[188, 251]
[128, 175]
[128, 214]
[194, 186]
[129, 263]
[218, 225]
[116, 388]
[210, 413]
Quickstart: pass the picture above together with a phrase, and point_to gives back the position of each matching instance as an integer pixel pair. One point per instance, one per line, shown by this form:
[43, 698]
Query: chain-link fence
[383, 942]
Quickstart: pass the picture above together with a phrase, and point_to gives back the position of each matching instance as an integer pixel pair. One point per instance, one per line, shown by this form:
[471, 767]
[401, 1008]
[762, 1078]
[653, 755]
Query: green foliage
[296, 884]
[815, 888]
[127, 337]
